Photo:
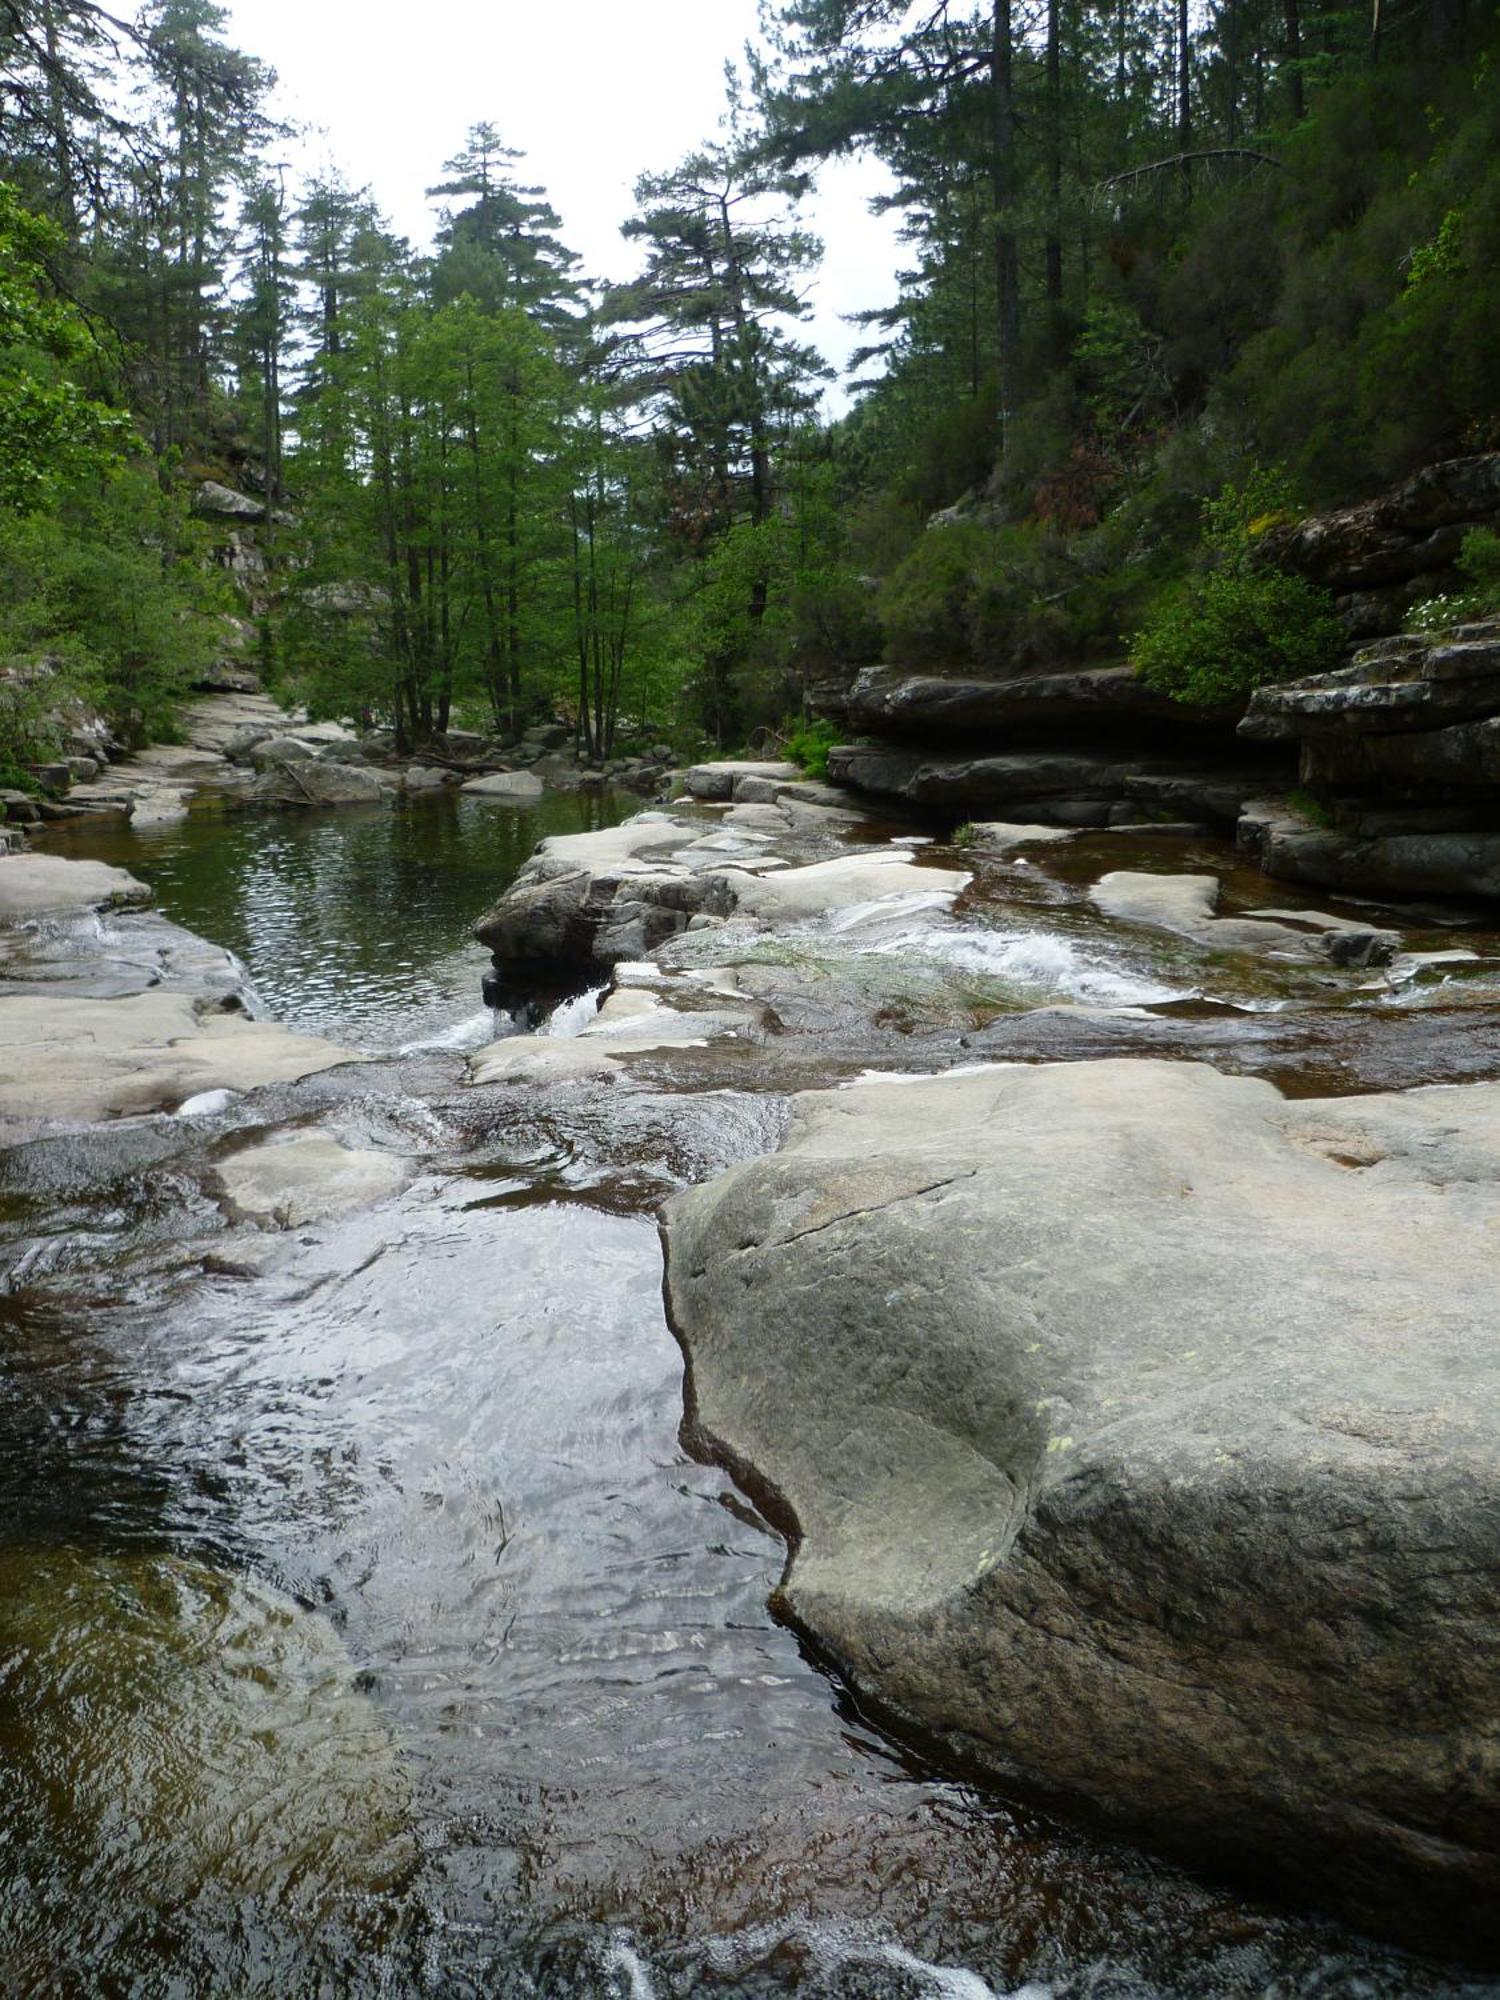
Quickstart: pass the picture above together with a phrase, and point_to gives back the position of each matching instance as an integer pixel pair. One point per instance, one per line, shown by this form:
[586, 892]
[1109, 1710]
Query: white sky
[594, 92]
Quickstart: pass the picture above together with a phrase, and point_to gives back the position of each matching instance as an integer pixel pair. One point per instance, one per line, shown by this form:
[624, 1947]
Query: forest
[1175, 270]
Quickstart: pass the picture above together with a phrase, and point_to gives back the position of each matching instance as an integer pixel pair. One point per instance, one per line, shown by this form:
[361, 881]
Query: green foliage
[106, 600]
[52, 431]
[1219, 637]
[809, 745]
[1215, 638]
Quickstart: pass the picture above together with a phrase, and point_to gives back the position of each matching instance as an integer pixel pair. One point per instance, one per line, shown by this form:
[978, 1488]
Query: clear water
[364, 1628]
[353, 924]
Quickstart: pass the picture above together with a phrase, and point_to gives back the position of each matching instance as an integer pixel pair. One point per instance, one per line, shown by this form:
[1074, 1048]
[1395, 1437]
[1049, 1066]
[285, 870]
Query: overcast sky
[595, 92]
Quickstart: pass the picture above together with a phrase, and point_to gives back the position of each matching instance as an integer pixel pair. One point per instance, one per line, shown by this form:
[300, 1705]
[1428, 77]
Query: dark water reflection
[354, 924]
[364, 1629]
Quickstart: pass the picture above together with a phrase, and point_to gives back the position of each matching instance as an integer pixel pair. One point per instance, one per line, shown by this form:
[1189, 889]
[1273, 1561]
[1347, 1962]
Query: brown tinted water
[364, 1628]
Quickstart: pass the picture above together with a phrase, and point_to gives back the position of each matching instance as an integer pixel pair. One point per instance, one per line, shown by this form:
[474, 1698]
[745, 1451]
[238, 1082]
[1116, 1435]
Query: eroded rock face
[1143, 1432]
[940, 705]
[1414, 531]
[1061, 786]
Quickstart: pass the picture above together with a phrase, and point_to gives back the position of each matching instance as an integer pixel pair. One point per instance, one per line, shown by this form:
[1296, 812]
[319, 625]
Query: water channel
[364, 1628]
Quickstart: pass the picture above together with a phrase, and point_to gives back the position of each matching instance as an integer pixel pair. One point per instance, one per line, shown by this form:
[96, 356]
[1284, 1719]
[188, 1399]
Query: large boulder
[1139, 1431]
[292, 782]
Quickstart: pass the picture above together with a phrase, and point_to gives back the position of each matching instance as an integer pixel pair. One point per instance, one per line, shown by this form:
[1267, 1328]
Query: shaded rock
[1142, 1432]
[931, 705]
[1416, 530]
[289, 1182]
[1281, 839]
[1064, 787]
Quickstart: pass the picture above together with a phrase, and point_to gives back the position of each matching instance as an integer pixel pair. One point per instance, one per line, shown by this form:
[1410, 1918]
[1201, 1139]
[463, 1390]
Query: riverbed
[367, 1627]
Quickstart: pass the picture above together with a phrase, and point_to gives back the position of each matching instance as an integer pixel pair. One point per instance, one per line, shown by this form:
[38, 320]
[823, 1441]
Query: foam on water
[828, 1949]
[1040, 964]
[488, 1025]
[571, 1017]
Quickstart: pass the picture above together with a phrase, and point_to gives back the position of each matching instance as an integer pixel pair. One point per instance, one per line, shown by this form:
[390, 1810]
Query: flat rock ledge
[590, 901]
[1140, 1429]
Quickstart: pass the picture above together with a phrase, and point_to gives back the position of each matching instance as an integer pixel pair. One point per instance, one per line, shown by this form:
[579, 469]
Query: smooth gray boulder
[1139, 1430]
[1188, 905]
[518, 786]
[313, 783]
[78, 1061]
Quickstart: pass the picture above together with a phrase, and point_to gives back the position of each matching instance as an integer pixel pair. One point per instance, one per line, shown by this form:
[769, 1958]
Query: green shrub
[809, 746]
[1221, 636]
[1218, 636]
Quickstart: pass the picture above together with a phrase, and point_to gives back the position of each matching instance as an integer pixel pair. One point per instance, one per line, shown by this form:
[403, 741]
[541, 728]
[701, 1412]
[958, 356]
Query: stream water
[364, 1628]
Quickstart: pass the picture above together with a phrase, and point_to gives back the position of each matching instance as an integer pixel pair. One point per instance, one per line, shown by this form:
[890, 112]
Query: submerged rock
[1188, 905]
[175, 1736]
[1141, 1432]
[289, 1182]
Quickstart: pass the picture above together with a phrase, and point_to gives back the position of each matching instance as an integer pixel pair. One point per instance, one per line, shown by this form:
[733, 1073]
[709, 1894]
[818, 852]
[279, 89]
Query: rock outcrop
[1083, 698]
[1062, 786]
[1140, 1432]
[1379, 557]
[1085, 747]
[1401, 749]
[588, 902]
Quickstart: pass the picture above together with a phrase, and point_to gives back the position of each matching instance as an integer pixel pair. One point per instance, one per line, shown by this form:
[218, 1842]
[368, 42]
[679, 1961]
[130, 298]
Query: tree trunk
[1294, 58]
[1003, 195]
[1185, 95]
[1054, 155]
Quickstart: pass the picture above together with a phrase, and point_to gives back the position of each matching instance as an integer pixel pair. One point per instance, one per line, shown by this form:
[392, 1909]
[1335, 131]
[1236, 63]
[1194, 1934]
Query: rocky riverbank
[252, 751]
[1381, 778]
[1137, 1425]
[1133, 1419]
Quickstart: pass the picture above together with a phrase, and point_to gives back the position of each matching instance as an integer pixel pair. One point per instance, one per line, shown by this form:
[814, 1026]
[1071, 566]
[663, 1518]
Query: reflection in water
[354, 924]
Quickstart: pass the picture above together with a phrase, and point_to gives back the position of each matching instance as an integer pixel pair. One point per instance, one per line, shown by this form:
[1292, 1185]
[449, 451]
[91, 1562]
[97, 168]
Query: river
[367, 1629]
